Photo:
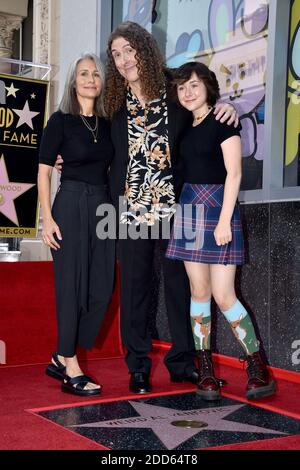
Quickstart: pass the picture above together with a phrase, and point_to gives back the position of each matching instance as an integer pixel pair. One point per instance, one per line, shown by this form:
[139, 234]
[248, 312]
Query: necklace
[94, 130]
[200, 118]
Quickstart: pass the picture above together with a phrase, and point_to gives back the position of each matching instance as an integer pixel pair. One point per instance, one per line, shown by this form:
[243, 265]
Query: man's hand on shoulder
[225, 112]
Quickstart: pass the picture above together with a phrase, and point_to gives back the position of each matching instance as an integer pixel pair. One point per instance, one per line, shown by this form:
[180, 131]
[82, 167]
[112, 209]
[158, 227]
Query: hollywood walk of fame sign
[22, 119]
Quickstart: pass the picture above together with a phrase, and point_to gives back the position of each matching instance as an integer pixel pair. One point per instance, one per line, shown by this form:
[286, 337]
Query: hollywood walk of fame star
[159, 419]
[25, 115]
[11, 90]
[10, 191]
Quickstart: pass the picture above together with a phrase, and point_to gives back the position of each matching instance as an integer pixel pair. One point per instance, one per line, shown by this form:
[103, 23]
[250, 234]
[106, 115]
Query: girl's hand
[223, 234]
[49, 229]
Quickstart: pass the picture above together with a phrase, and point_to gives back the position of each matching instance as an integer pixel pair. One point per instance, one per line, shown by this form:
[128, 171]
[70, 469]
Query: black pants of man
[83, 266]
[136, 266]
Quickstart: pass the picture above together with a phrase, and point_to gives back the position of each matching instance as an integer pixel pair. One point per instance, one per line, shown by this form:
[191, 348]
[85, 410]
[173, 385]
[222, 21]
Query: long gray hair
[69, 103]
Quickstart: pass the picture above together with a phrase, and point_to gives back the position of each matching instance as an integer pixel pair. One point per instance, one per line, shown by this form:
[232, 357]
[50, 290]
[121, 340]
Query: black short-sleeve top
[84, 160]
[201, 152]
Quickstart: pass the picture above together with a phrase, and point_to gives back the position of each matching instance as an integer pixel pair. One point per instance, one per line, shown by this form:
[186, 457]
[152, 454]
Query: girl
[211, 158]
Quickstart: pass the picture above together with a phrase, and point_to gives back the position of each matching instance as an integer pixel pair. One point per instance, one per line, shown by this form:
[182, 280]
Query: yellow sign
[293, 92]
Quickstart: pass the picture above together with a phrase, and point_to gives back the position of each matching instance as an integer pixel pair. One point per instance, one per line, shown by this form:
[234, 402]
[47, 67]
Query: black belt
[81, 186]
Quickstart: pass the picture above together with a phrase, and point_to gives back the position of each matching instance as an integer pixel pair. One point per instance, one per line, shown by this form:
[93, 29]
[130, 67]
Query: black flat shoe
[193, 378]
[139, 383]
[75, 386]
[56, 371]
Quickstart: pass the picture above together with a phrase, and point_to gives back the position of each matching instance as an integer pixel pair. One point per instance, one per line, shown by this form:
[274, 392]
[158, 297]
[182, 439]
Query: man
[146, 127]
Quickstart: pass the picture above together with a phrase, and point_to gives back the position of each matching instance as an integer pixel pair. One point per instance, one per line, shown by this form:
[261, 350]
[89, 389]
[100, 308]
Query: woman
[207, 233]
[83, 263]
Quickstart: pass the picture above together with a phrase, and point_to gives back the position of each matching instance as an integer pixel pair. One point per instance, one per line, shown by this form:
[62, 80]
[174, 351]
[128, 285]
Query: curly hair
[207, 76]
[150, 66]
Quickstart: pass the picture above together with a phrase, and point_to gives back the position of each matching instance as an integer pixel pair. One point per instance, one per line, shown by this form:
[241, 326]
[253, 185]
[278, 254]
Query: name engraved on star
[139, 419]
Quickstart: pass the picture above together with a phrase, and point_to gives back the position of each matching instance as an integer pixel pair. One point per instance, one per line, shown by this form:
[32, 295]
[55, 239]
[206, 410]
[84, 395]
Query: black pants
[83, 266]
[136, 265]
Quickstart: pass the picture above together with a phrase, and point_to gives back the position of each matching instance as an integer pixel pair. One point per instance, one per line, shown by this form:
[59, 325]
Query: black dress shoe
[139, 382]
[193, 378]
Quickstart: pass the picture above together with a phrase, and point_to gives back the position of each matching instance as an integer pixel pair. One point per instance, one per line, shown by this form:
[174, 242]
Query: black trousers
[83, 266]
[136, 267]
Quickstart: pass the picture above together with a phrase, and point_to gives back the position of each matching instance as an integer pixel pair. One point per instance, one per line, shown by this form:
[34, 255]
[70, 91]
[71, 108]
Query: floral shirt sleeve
[149, 190]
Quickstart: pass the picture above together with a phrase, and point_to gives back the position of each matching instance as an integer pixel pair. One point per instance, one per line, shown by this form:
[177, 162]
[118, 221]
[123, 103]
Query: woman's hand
[223, 234]
[226, 112]
[49, 229]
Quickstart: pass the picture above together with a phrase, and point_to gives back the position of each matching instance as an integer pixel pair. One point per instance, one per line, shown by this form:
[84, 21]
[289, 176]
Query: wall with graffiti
[230, 36]
[140, 11]
[292, 138]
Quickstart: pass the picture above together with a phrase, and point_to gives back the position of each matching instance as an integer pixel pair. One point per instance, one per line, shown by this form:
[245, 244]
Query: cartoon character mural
[293, 100]
[188, 47]
[230, 36]
[240, 65]
[235, 47]
[141, 11]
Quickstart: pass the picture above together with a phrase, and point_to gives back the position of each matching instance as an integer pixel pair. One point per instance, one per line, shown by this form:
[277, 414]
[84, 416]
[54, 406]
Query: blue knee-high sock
[242, 327]
[201, 324]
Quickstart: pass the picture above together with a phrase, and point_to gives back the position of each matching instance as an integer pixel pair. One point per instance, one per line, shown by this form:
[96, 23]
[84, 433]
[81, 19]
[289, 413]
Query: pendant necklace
[198, 119]
[94, 130]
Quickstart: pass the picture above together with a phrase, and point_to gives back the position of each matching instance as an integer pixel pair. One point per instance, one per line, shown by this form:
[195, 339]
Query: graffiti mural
[230, 36]
[240, 65]
[292, 140]
[233, 43]
[141, 11]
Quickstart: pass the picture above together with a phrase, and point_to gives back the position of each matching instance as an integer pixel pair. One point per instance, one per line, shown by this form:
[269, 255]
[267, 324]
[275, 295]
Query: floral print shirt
[149, 190]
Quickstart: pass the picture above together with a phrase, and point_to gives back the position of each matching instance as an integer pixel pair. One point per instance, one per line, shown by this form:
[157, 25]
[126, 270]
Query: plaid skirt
[196, 218]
